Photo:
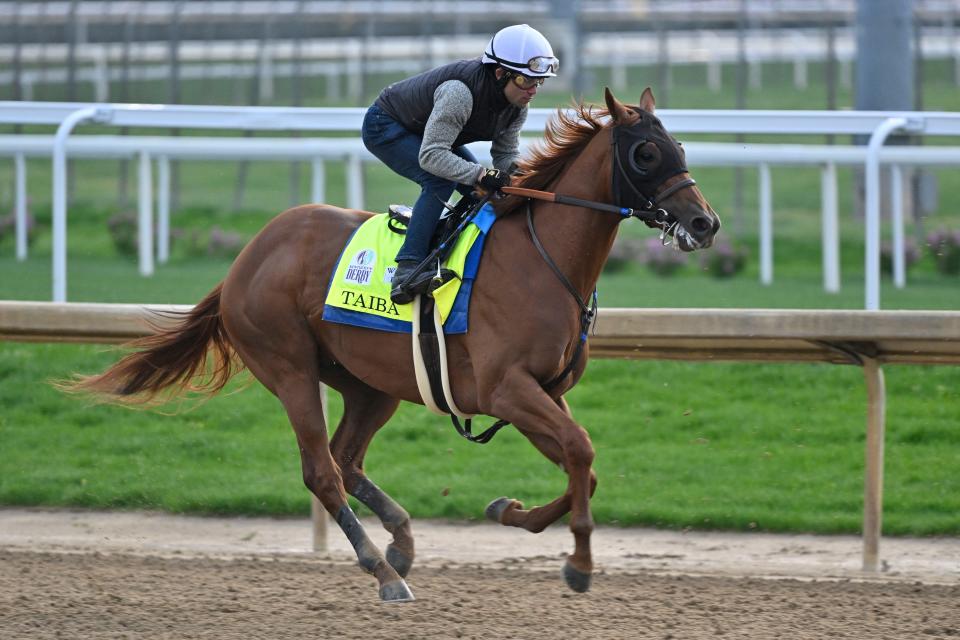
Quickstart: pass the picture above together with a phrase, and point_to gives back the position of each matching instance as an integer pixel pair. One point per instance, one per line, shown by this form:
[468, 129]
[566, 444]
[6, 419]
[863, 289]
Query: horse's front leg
[511, 513]
[520, 399]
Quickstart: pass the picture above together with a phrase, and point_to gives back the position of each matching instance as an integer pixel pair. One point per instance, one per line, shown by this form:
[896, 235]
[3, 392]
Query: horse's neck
[576, 238]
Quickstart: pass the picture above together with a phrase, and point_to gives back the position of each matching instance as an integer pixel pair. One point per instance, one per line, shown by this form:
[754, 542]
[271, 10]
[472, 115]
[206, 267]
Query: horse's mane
[567, 133]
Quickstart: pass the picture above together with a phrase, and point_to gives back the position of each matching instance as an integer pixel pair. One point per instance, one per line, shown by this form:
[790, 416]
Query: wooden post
[318, 515]
[873, 473]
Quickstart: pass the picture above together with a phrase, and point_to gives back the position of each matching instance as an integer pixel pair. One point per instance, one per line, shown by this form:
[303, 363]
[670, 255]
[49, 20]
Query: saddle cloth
[359, 291]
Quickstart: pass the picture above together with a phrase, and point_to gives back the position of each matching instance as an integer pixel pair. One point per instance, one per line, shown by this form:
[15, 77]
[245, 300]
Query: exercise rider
[419, 128]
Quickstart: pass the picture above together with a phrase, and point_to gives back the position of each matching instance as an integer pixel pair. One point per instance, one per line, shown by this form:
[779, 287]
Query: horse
[524, 350]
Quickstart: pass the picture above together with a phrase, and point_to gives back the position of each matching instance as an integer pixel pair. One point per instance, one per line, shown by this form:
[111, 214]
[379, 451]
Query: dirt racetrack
[84, 575]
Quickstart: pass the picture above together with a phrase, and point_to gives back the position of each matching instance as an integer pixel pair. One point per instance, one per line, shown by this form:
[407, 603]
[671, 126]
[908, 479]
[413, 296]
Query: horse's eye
[643, 156]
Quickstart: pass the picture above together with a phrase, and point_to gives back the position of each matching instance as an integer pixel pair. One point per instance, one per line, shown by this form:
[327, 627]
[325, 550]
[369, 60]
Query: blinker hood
[633, 184]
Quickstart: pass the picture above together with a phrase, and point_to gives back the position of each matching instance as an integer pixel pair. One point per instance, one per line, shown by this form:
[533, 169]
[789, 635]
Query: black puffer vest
[410, 101]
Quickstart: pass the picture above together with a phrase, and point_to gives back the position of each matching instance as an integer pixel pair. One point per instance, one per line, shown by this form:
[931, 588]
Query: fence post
[20, 188]
[318, 515]
[766, 225]
[354, 182]
[714, 75]
[896, 214]
[163, 209]
[95, 114]
[873, 471]
[145, 215]
[872, 214]
[318, 182]
[831, 236]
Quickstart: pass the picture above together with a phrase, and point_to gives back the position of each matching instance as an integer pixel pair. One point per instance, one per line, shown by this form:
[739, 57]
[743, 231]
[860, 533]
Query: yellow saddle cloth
[359, 291]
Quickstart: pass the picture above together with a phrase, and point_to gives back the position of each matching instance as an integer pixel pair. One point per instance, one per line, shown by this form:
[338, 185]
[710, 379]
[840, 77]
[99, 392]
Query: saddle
[430, 275]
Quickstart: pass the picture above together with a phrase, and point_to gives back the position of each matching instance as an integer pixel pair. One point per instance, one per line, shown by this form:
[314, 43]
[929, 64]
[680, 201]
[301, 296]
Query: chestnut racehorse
[526, 323]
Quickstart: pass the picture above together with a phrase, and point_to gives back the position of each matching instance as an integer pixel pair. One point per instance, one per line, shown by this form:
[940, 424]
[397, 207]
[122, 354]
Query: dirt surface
[139, 575]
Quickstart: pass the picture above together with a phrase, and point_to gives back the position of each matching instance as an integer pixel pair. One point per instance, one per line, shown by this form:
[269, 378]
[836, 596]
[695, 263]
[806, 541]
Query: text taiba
[369, 302]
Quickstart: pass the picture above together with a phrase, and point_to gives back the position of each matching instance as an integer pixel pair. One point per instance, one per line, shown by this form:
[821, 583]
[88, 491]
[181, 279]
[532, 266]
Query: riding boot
[403, 287]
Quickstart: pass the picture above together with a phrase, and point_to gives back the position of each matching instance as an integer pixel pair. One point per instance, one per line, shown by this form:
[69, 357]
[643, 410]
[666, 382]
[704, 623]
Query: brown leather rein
[650, 213]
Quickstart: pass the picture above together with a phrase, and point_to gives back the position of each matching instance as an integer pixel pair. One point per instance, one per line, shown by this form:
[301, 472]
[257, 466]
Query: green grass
[733, 446]
[701, 445]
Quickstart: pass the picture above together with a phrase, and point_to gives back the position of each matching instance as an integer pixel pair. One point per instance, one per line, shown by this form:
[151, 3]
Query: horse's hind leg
[321, 474]
[365, 410]
[288, 367]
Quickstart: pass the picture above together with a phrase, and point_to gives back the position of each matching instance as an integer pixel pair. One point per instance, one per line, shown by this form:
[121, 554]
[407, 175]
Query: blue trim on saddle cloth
[456, 321]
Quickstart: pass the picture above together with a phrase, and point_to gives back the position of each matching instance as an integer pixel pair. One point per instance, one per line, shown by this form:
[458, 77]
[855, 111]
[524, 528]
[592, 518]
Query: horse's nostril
[701, 225]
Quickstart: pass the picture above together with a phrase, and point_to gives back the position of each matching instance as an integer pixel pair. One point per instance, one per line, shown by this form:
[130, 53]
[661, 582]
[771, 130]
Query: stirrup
[424, 283]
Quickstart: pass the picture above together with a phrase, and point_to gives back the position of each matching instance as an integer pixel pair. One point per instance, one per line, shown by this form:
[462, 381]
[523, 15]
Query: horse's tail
[173, 359]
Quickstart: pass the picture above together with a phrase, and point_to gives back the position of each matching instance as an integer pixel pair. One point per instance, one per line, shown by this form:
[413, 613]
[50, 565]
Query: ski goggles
[526, 82]
[543, 64]
[539, 64]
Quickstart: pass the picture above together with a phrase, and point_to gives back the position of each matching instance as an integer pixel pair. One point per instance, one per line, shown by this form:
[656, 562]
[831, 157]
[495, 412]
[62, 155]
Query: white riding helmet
[523, 49]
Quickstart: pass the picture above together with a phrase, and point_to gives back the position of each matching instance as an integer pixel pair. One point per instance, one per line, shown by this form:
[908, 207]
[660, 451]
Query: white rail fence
[877, 125]
[351, 151]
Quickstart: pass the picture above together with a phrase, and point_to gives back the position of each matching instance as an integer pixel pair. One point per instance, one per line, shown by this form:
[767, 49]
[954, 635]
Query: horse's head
[650, 174]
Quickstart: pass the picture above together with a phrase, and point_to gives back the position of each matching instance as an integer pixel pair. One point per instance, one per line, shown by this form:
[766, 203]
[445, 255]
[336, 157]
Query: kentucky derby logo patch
[360, 269]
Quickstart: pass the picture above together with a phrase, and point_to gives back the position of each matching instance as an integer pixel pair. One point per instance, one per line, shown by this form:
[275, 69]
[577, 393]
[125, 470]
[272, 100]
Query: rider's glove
[494, 179]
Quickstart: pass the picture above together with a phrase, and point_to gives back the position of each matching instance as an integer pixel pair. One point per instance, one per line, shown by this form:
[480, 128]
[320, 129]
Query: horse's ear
[618, 113]
[647, 103]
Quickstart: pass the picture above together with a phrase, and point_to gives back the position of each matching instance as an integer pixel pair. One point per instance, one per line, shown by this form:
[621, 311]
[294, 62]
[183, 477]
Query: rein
[587, 314]
[650, 212]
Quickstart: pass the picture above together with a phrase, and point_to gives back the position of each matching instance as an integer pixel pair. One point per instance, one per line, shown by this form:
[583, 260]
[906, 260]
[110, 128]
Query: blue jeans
[399, 149]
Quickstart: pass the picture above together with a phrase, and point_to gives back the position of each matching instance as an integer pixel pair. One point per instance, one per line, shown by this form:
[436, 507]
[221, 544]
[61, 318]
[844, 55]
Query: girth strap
[480, 438]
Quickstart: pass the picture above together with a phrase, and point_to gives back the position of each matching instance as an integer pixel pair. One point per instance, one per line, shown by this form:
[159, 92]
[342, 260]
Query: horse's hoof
[396, 591]
[399, 561]
[495, 509]
[576, 579]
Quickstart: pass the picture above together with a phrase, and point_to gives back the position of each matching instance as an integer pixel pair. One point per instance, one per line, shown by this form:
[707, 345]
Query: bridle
[647, 209]
[635, 204]
[626, 141]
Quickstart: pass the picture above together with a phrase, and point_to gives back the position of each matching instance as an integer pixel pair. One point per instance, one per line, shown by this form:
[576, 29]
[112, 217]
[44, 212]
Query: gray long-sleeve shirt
[453, 104]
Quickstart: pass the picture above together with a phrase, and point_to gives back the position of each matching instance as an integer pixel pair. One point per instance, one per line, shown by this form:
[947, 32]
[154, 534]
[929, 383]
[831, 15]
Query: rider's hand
[494, 180]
